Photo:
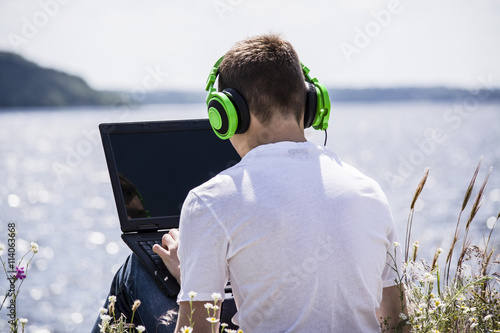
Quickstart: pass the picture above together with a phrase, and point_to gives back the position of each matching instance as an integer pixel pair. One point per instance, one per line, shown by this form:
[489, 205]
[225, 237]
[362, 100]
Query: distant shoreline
[338, 95]
[25, 84]
[349, 95]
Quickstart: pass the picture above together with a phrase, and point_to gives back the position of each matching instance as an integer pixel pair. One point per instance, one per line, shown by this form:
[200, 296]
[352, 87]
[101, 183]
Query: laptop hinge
[147, 227]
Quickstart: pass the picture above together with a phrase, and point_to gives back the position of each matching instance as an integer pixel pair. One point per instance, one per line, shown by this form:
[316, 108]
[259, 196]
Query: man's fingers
[174, 233]
[170, 240]
[160, 250]
[168, 254]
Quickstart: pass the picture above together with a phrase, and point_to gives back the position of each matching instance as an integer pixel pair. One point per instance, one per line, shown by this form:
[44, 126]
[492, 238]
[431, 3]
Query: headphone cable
[326, 138]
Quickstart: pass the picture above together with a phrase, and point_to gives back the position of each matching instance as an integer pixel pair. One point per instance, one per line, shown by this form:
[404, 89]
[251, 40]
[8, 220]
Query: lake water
[55, 187]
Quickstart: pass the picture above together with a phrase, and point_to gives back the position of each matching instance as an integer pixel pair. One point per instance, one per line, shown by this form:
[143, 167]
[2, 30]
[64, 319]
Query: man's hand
[391, 307]
[168, 253]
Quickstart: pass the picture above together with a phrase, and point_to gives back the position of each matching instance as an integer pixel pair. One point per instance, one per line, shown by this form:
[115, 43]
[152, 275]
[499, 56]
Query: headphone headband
[213, 74]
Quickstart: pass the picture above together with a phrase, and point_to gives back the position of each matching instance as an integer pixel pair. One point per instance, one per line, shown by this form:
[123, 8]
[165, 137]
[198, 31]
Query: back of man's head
[267, 72]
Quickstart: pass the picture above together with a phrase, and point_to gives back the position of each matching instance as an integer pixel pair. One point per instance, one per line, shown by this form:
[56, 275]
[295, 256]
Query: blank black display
[165, 165]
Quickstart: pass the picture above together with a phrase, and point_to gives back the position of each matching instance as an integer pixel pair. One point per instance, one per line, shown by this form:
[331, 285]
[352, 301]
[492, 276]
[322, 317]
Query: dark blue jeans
[157, 312]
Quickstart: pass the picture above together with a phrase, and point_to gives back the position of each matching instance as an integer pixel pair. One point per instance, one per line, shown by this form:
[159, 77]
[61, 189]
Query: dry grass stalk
[435, 259]
[484, 268]
[460, 261]
[475, 208]
[467, 196]
[409, 223]
[491, 232]
[415, 249]
[420, 187]
[471, 185]
[488, 255]
[477, 204]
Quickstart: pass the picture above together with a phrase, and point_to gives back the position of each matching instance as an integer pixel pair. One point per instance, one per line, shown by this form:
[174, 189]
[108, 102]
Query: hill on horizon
[24, 83]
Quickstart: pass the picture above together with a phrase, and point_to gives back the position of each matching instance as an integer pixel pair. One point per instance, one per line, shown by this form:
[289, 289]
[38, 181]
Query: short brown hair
[267, 72]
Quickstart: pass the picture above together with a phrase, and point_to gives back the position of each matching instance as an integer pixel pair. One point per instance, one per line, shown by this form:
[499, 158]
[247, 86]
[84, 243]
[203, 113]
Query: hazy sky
[122, 44]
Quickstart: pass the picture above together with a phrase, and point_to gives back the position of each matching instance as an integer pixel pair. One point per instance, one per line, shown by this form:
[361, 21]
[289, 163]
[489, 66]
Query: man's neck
[277, 131]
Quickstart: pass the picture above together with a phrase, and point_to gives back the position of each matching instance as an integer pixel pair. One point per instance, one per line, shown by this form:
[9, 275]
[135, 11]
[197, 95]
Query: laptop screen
[153, 165]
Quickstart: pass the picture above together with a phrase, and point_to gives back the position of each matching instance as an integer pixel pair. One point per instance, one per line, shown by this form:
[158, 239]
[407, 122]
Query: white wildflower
[103, 311]
[112, 299]
[402, 316]
[105, 318]
[23, 321]
[141, 329]
[396, 244]
[428, 277]
[186, 329]
[213, 320]
[488, 317]
[34, 247]
[422, 306]
[192, 294]
[216, 296]
[209, 306]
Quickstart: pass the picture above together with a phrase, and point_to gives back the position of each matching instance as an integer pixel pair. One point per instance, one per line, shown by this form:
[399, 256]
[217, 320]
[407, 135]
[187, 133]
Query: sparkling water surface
[54, 186]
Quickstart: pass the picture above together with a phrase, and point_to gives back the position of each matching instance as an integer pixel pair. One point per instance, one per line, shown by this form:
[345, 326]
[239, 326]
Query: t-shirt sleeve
[202, 251]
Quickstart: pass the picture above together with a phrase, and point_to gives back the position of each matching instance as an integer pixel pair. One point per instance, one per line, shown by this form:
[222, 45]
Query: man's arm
[199, 317]
[391, 307]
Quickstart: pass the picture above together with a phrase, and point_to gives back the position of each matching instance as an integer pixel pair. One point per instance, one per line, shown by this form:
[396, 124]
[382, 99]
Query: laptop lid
[153, 165]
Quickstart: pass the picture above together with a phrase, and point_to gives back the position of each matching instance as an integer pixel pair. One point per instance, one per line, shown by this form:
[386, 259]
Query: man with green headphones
[304, 238]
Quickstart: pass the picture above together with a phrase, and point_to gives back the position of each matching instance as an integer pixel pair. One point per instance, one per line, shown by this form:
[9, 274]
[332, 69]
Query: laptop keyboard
[147, 246]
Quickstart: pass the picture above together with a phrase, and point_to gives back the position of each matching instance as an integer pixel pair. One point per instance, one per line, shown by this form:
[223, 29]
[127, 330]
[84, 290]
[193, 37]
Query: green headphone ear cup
[322, 108]
[241, 109]
[321, 112]
[222, 115]
[311, 104]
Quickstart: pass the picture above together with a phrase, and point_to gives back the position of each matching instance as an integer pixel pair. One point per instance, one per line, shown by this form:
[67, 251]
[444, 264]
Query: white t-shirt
[303, 236]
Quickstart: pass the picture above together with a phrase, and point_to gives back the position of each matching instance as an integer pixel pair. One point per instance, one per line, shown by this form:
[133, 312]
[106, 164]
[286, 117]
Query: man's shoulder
[223, 181]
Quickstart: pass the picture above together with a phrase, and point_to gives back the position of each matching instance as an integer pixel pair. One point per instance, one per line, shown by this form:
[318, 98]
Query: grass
[469, 302]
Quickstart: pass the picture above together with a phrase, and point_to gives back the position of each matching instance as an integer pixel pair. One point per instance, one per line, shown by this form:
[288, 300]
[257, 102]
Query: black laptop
[152, 166]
